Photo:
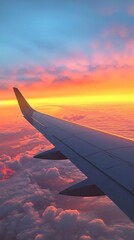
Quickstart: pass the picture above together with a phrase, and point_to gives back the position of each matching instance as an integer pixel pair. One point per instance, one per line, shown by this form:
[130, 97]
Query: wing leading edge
[106, 160]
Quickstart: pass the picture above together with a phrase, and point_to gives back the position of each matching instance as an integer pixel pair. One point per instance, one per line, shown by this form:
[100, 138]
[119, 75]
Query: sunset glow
[73, 60]
[77, 100]
[95, 66]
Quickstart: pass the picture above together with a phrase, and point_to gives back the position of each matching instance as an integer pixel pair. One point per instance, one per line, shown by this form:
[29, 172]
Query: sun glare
[76, 100]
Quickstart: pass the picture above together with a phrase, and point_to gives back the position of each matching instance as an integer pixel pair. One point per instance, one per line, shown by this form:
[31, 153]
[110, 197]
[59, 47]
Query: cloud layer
[30, 206]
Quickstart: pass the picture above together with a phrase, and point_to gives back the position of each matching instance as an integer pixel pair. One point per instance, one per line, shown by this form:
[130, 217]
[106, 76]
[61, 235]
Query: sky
[67, 48]
[74, 60]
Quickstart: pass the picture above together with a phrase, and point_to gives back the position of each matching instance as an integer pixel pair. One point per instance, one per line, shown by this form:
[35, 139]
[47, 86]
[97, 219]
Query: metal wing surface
[107, 160]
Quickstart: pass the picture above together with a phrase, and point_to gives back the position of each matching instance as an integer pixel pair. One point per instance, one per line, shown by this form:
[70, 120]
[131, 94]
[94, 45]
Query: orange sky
[77, 80]
[103, 83]
[99, 64]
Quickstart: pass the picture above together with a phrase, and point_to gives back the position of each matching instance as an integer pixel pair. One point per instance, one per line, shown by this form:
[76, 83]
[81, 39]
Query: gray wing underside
[107, 160]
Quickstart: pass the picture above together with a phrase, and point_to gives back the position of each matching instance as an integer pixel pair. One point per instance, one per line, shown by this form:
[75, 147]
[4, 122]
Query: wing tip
[23, 104]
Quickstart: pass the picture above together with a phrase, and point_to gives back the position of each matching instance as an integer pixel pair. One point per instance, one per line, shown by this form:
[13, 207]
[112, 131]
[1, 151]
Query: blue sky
[39, 32]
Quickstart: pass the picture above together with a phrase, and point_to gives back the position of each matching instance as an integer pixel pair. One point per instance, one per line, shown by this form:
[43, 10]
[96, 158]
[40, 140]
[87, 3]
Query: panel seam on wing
[130, 191]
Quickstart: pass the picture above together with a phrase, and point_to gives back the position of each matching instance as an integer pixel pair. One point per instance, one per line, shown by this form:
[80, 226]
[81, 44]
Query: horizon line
[76, 100]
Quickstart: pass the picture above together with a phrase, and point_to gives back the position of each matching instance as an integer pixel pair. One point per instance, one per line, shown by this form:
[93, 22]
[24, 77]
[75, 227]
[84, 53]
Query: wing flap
[83, 189]
[107, 166]
[52, 154]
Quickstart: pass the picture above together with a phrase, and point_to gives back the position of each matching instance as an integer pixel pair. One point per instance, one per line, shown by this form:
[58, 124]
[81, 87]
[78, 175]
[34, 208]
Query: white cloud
[31, 208]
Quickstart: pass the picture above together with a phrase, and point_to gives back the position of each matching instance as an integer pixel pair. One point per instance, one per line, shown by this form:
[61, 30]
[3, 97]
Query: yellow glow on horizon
[75, 100]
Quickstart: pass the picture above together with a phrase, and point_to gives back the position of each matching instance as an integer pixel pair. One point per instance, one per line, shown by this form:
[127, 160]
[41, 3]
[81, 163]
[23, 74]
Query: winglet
[24, 105]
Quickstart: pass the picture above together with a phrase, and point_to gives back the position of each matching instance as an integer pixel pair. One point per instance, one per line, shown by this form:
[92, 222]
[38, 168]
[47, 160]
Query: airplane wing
[107, 160]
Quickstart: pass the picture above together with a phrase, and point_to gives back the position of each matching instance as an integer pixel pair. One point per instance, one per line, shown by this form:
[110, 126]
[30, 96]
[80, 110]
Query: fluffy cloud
[67, 220]
[31, 208]
[96, 227]
[54, 176]
[74, 118]
[50, 213]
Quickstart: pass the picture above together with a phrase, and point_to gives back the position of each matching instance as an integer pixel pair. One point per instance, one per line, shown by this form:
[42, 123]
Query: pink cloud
[131, 10]
[42, 214]
[85, 237]
[97, 227]
[121, 31]
[67, 220]
[50, 213]
[5, 171]
[130, 45]
[53, 178]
